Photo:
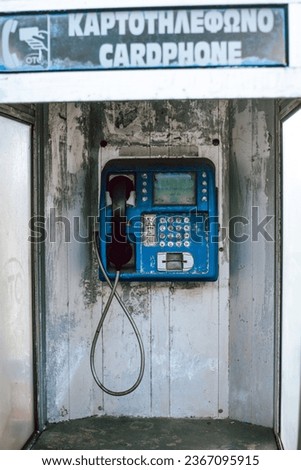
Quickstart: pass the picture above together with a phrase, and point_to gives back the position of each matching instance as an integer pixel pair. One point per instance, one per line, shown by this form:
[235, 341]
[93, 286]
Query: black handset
[120, 251]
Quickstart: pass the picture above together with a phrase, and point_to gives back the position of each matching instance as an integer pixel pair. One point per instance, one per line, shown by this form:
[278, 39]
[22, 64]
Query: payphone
[158, 219]
[157, 222]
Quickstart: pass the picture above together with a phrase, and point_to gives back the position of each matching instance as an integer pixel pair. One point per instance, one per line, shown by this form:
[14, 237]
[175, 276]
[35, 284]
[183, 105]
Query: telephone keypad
[167, 230]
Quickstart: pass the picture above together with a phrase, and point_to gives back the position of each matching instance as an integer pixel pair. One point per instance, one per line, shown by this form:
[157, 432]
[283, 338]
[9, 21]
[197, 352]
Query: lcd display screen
[174, 189]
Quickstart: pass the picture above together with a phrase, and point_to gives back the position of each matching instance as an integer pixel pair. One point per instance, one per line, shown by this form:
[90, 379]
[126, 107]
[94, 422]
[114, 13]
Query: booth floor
[123, 433]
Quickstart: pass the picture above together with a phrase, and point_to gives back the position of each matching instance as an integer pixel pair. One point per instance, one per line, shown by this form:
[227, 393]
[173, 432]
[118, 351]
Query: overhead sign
[144, 39]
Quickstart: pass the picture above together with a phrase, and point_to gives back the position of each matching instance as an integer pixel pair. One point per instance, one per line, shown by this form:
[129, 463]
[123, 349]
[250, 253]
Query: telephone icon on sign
[10, 59]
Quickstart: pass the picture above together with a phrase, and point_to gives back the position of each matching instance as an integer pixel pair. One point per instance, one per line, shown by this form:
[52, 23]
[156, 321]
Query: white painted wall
[252, 271]
[184, 327]
[291, 275]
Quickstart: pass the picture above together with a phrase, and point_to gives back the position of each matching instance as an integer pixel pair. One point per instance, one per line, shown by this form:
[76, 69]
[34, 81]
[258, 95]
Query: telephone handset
[119, 250]
[158, 219]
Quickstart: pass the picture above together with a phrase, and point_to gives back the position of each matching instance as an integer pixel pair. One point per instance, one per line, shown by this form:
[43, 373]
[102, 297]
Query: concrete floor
[125, 433]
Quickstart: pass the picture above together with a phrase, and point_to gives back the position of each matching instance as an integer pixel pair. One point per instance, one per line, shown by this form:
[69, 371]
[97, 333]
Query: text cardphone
[158, 219]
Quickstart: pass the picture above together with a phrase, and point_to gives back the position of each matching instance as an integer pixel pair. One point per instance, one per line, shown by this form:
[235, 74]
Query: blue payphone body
[158, 219]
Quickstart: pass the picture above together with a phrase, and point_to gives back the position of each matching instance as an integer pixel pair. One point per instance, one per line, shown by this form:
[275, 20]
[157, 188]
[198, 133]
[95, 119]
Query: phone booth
[156, 176]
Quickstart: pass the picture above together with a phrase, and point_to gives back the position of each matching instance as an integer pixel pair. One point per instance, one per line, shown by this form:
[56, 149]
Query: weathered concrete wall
[184, 326]
[252, 251]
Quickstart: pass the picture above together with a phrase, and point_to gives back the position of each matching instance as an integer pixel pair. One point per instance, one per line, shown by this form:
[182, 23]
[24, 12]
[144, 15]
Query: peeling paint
[136, 298]
[63, 412]
[178, 321]
[90, 283]
[252, 170]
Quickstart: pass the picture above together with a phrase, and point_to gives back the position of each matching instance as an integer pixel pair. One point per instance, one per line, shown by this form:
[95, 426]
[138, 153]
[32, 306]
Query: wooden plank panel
[263, 253]
[252, 265]
[160, 350]
[194, 351]
[57, 282]
[121, 355]
[77, 212]
[241, 274]
[222, 165]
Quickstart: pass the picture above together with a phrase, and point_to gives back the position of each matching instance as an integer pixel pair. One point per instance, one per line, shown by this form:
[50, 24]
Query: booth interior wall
[184, 326]
[252, 261]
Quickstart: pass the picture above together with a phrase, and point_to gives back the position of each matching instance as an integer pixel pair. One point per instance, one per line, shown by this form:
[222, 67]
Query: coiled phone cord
[115, 294]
